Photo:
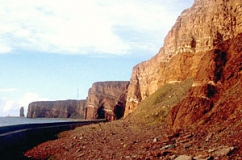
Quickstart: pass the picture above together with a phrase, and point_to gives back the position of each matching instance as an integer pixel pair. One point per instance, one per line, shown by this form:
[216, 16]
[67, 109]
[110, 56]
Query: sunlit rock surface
[199, 29]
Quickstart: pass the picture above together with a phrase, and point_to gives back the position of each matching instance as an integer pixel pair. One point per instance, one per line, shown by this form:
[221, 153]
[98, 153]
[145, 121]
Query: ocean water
[7, 121]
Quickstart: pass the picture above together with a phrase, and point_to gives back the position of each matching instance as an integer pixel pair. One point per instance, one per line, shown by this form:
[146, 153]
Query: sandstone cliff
[216, 92]
[106, 100]
[197, 32]
[57, 109]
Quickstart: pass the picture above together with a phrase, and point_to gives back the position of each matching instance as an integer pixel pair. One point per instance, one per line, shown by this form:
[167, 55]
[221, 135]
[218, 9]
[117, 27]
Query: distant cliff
[199, 29]
[57, 109]
[106, 100]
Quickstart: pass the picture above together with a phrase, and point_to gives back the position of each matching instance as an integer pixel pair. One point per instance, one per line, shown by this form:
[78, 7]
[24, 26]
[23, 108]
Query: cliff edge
[197, 32]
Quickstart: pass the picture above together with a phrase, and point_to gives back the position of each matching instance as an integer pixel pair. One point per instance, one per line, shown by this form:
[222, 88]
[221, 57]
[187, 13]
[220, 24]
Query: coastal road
[16, 139]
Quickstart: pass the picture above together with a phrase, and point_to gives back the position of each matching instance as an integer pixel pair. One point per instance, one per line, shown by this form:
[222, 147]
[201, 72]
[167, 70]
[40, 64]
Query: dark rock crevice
[220, 59]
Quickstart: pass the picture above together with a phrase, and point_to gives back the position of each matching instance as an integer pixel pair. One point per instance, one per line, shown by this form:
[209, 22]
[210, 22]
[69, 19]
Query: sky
[56, 49]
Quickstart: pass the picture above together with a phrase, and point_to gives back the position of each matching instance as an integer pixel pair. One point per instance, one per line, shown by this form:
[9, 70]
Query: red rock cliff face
[216, 92]
[197, 31]
[106, 100]
[57, 109]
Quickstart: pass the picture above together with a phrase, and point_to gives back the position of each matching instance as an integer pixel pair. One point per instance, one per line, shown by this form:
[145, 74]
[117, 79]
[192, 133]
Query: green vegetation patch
[156, 107]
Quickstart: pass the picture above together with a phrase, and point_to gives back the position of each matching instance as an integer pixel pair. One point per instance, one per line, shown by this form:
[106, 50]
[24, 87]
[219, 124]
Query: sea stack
[21, 114]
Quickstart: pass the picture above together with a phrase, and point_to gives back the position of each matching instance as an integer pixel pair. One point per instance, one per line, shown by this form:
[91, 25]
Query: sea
[8, 121]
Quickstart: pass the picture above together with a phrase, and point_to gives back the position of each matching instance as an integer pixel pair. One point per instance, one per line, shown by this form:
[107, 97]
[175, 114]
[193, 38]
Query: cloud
[7, 106]
[8, 89]
[81, 27]
[4, 48]
[30, 97]
[12, 107]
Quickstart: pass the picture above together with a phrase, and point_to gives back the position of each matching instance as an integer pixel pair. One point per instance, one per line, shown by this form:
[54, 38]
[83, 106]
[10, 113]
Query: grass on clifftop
[155, 108]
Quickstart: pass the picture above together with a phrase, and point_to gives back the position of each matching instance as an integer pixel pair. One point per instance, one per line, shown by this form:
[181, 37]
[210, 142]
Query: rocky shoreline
[125, 139]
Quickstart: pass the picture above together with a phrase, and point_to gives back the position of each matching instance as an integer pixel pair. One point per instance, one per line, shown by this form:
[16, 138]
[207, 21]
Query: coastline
[13, 117]
[9, 121]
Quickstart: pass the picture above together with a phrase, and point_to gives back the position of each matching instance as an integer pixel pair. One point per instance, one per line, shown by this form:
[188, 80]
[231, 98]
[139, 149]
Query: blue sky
[49, 49]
